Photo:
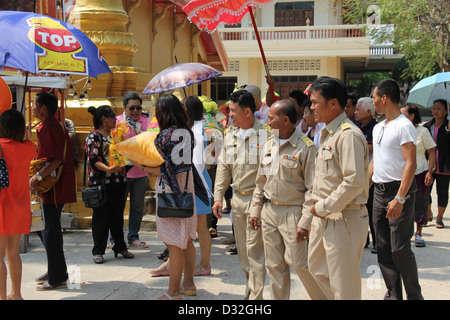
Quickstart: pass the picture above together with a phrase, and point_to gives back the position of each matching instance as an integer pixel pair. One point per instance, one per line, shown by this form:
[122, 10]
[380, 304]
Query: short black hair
[49, 100]
[285, 107]
[354, 98]
[131, 95]
[413, 109]
[390, 89]
[299, 96]
[331, 88]
[443, 102]
[12, 125]
[244, 99]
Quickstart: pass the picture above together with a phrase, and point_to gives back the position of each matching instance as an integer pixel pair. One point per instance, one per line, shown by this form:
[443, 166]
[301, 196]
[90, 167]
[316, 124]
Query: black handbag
[171, 205]
[95, 196]
[4, 176]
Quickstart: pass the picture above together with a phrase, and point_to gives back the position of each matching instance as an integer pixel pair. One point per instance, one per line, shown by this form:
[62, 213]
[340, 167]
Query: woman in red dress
[15, 211]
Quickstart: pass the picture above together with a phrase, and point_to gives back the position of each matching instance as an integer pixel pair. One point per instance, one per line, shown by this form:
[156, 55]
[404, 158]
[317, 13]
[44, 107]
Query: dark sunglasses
[132, 108]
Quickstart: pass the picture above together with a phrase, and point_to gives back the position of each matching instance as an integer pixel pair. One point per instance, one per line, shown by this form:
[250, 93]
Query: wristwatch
[38, 176]
[400, 200]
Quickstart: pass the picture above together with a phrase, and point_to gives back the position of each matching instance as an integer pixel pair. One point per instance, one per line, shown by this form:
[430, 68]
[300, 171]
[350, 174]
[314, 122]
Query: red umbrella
[209, 14]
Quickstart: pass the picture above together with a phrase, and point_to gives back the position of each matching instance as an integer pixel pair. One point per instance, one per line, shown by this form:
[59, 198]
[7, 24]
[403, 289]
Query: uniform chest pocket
[327, 163]
[289, 169]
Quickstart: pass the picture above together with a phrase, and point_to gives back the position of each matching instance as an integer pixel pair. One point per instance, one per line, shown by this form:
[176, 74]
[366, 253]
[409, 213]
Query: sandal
[160, 272]
[188, 292]
[164, 255]
[98, 259]
[213, 232]
[42, 278]
[126, 254]
[47, 287]
[166, 296]
[138, 244]
[440, 225]
[200, 271]
[229, 241]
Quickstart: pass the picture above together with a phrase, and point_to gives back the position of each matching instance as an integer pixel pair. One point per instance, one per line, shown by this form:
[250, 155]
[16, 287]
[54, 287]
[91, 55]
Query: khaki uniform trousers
[279, 228]
[250, 247]
[335, 251]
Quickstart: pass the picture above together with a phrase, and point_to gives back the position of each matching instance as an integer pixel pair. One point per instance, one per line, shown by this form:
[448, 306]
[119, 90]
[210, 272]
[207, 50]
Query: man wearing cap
[285, 174]
[238, 162]
[339, 193]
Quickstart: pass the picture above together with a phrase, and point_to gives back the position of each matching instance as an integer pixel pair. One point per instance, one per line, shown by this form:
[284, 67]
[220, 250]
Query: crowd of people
[310, 180]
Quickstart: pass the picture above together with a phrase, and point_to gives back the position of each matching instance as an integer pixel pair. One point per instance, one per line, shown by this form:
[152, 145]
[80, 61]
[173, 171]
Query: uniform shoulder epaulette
[227, 129]
[345, 125]
[267, 127]
[307, 141]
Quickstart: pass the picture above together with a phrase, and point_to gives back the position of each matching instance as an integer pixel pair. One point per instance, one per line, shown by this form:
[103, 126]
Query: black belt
[388, 185]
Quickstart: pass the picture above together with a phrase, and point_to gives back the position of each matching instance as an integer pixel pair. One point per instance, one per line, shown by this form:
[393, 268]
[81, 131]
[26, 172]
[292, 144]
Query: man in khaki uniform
[285, 174]
[340, 191]
[238, 161]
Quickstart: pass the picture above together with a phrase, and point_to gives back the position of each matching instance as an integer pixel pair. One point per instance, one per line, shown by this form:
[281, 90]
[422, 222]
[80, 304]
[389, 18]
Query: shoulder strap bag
[171, 205]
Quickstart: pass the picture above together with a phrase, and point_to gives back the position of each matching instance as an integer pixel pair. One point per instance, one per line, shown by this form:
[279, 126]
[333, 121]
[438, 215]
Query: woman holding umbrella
[440, 131]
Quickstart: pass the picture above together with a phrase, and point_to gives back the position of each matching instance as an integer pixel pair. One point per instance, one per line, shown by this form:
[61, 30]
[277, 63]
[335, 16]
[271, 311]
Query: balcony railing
[305, 33]
[293, 33]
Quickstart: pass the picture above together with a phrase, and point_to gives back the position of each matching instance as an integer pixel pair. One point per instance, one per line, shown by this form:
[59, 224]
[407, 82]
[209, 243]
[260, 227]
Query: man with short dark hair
[393, 167]
[285, 174]
[238, 162]
[137, 179]
[339, 194]
[55, 146]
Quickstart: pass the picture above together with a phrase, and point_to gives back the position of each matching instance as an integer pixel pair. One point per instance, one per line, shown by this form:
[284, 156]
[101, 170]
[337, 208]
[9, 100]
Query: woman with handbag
[15, 217]
[108, 217]
[177, 182]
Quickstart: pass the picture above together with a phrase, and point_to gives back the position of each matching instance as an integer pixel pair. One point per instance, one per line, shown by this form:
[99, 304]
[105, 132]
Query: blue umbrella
[36, 43]
[427, 90]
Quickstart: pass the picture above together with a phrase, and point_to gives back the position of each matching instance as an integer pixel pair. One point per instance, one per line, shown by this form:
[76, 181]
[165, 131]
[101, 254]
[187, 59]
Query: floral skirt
[177, 231]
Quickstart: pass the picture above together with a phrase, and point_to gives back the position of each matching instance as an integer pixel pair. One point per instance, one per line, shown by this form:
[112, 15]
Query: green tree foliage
[421, 31]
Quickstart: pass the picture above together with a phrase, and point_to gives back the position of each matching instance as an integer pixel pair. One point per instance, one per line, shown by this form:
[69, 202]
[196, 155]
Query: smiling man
[339, 193]
[238, 162]
[137, 179]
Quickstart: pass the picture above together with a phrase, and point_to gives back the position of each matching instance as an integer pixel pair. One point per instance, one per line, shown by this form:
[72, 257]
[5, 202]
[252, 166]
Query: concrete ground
[129, 279]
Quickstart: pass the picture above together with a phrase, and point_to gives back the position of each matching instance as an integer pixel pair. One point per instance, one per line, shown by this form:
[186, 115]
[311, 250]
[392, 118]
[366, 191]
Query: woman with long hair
[424, 172]
[175, 143]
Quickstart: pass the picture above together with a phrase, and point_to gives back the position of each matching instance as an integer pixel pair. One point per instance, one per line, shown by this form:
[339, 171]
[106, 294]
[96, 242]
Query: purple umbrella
[179, 76]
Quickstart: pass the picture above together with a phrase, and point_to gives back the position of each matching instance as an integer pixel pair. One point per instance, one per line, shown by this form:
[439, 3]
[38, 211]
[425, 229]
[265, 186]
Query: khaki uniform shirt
[239, 160]
[341, 180]
[285, 174]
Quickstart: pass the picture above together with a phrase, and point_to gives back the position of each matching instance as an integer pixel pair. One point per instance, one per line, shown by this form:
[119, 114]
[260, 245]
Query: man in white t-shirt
[393, 167]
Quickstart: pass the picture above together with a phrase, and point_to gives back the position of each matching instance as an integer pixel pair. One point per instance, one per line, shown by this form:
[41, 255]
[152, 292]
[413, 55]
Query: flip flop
[138, 244]
[202, 271]
[166, 296]
[440, 225]
[47, 287]
[188, 292]
[159, 273]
